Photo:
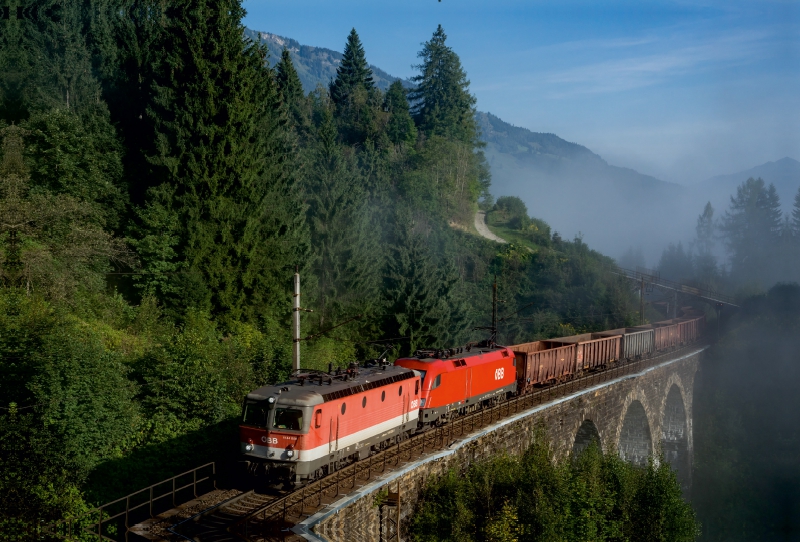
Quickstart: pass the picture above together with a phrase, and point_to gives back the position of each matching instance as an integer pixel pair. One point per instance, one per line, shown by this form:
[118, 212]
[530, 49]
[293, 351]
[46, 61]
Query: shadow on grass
[151, 464]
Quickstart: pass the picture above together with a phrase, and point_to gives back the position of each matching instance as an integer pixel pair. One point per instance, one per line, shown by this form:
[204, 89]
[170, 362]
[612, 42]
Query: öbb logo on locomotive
[318, 422]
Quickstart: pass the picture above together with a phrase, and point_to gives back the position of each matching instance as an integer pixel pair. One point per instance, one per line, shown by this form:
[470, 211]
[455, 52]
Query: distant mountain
[783, 173]
[314, 65]
[575, 190]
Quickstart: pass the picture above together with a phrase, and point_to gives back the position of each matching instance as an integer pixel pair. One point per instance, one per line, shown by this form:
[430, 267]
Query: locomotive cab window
[416, 387]
[436, 382]
[318, 419]
[255, 413]
[288, 418]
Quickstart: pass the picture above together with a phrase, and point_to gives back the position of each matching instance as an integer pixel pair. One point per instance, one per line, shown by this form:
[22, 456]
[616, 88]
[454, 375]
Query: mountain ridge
[783, 173]
[314, 65]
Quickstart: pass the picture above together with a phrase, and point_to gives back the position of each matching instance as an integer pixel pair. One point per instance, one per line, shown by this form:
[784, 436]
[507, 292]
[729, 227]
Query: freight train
[318, 422]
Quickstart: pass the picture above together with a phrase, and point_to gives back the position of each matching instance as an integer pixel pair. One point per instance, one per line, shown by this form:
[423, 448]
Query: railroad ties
[213, 524]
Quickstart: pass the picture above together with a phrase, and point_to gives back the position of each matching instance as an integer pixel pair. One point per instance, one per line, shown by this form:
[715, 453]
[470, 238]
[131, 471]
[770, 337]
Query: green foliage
[400, 128]
[594, 496]
[50, 243]
[420, 292]
[751, 227]
[676, 263]
[347, 256]
[80, 158]
[511, 213]
[291, 91]
[442, 104]
[222, 149]
[353, 71]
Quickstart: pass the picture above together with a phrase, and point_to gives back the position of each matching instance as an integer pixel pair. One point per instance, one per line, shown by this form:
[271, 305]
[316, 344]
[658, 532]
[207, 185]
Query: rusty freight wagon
[688, 329]
[593, 352]
[542, 362]
[663, 335]
[636, 343]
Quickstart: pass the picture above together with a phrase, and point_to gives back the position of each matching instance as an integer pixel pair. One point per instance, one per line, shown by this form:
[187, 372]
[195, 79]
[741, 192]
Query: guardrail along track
[271, 520]
[121, 515]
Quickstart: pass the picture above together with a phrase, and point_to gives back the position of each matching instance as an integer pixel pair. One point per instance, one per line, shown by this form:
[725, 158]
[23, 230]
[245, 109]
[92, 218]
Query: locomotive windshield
[288, 418]
[255, 413]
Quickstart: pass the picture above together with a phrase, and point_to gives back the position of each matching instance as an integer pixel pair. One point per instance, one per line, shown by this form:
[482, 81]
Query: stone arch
[586, 433]
[675, 434]
[634, 438]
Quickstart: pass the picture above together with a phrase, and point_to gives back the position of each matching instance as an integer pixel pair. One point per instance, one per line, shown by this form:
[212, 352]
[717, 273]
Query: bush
[594, 496]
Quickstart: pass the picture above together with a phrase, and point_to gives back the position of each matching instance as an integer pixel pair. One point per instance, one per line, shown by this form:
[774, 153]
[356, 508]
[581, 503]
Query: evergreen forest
[162, 179]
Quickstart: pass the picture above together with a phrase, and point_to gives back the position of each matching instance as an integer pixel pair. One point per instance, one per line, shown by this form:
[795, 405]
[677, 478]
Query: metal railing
[121, 512]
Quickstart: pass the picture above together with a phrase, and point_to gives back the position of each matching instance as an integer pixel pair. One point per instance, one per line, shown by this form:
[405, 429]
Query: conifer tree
[705, 261]
[291, 89]
[348, 259]
[400, 128]
[420, 290]
[353, 71]
[796, 214]
[223, 152]
[752, 228]
[441, 102]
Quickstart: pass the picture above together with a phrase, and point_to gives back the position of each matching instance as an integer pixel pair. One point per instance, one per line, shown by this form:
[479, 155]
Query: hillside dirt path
[483, 229]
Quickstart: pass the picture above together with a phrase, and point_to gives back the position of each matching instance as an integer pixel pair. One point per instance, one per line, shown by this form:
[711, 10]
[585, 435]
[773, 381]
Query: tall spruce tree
[291, 90]
[347, 256]
[223, 154]
[705, 261]
[353, 71]
[441, 102]
[796, 214]
[420, 290]
[400, 128]
[752, 228]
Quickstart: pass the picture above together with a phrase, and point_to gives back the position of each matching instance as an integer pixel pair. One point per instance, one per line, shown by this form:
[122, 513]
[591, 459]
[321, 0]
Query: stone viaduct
[636, 414]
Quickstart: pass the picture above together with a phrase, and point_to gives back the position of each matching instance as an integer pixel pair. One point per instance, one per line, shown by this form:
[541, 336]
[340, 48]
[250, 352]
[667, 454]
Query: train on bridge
[319, 422]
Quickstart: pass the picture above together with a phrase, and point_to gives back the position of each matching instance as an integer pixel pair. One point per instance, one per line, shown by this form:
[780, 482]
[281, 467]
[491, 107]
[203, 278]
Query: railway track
[272, 520]
[213, 524]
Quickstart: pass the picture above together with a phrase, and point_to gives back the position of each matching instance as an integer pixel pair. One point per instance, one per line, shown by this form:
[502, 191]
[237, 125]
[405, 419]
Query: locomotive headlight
[248, 447]
[271, 400]
[290, 453]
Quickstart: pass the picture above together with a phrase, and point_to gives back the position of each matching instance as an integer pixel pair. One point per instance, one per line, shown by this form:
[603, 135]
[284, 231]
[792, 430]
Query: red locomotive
[317, 422]
[461, 380]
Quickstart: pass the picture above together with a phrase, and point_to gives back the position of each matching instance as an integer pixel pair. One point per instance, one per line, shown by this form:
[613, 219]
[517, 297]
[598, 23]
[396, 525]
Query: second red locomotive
[460, 380]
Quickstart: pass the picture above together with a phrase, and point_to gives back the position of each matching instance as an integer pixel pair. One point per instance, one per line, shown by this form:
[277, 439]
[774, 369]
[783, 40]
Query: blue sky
[679, 90]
